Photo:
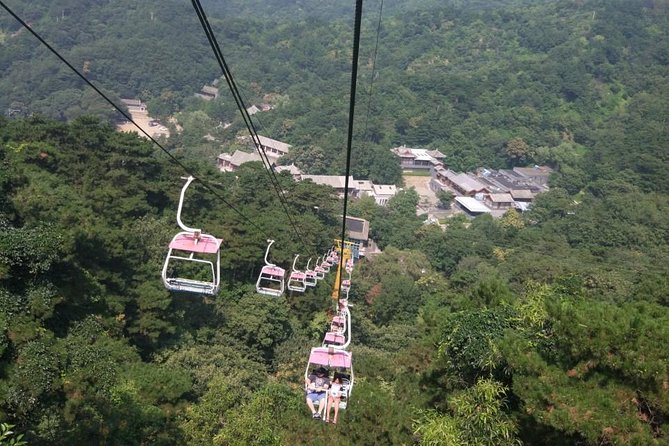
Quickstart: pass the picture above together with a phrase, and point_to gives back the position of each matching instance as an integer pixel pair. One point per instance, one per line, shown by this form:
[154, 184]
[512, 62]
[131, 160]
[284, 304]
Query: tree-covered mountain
[548, 327]
[455, 76]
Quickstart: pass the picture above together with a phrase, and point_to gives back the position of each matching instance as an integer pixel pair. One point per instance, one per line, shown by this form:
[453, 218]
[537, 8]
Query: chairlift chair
[310, 276]
[349, 266]
[319, 270]
[338, 324]
[338, 338]
[328, 261]
[338, 362]
[297, 281]
[343, 304]
[346, 284]
[191, 246]
[271, 279]
[333, 257]
[334, 339]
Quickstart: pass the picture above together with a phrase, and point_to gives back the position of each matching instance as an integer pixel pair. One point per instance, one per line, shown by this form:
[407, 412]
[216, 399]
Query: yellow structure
[341, 265]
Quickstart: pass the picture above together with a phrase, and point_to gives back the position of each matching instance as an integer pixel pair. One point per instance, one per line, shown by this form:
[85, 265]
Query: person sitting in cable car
[317, 385]
[333, 399]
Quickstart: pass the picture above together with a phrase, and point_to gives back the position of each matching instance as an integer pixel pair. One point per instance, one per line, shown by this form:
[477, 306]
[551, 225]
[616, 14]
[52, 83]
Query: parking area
[147, 124]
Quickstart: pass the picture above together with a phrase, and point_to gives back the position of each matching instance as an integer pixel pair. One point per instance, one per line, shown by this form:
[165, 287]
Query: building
[338, 182]
[380, 192]
[272, 147]
[522, 195]
[134, 105]
[411, 159]
[472, 206]
[505, 180]
[231, 163]
[537, 174]
[252, 110]
[364, 188]
[499, 201]
[358, 230]
[460, 183]
[383, 192]
[294, 171]
[208, 93]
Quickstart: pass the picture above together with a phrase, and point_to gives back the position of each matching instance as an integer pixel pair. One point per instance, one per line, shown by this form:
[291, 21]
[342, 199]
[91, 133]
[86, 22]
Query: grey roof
[501, 198]
[506, 180]
[472, 204]
[384, 189]
[364, 185]
[535, 171]
[238, 158]
[522, 194]
[292, 169]
[132, 102]
[464, 181]
[336, 181]
[210, 90]
[358, 228]
[278, 145]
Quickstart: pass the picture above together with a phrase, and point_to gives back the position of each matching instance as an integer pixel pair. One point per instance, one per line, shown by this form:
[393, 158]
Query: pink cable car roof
[206, 244]
[273, 271]
[297, 275]
[337, 320]
[333, 338]
[335, 358]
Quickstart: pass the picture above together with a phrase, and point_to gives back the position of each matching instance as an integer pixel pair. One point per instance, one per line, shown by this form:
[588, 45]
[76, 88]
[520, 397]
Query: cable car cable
[371, 82]
[129, 118]
[351, 113]
[246, 117]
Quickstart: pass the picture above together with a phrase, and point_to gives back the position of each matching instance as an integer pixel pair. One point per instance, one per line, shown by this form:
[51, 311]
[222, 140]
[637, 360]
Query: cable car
[339, 338]
[198, 255]
[346, 285]
[349, 266]
[310, 276]
[338, 324]
[297, 281]
[271, 278]
[333, 257]
[319, 270]
[337, 363]
[326, 264]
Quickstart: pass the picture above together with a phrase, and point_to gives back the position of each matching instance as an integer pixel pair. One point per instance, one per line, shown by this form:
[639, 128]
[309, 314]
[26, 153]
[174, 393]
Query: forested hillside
[456, 77]
[547, 327]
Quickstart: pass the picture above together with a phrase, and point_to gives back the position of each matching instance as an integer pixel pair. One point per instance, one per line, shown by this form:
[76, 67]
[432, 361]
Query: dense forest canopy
[547, 327]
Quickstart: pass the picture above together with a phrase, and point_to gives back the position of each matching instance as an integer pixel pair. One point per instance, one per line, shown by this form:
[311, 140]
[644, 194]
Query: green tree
[476, 417]
[445, 197]
[517, 151]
